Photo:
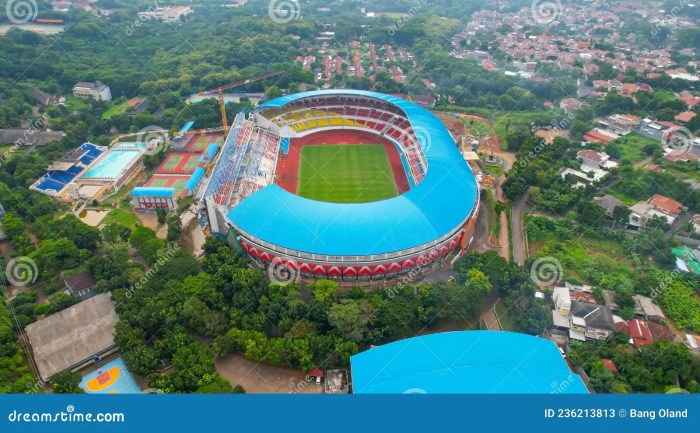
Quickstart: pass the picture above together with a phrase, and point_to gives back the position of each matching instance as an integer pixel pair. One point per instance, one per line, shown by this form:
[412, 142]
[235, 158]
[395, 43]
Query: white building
[96, 90]
[167, 14]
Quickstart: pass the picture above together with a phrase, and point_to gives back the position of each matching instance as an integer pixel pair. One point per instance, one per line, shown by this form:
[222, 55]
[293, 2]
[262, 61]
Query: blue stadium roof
[152, 191]
[465, 362]
[434, 208]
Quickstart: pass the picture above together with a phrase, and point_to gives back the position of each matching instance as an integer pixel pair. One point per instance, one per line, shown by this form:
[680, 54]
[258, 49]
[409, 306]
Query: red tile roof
[685, 116]
[590, 154]
[597, 137]
[639, 330]
[665, 203]
[610, 365]
[655, 167]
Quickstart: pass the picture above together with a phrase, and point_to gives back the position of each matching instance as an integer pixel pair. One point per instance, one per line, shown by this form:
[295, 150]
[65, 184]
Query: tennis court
[177, 182]
[179, 163]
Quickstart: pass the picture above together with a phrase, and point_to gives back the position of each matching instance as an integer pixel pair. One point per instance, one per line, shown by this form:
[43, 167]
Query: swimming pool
[129, 144]
[113, 164]
[112, 378]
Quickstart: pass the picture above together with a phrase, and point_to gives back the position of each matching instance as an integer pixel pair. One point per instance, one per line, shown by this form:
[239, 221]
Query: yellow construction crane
[203, 134]
[220, 92]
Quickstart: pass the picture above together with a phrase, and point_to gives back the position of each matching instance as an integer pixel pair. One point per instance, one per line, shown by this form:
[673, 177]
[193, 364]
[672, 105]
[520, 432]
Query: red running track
[288, 165]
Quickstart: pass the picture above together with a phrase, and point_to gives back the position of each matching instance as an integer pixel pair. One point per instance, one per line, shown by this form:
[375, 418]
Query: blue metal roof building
[439, 204]
[465, 362]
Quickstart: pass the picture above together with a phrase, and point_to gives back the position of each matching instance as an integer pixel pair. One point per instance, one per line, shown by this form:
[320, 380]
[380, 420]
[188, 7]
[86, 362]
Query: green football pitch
[357, 173]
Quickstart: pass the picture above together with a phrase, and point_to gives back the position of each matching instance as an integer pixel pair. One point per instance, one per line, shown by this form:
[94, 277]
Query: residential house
[610, 298]
[690, 101]
[610, 365]
[570, 105]
[696, 222]
[562, 300]
[166, 14]
[615, 85]
[597, 160]
[646, 307]
[590, 321]
[96, 90]
[655, 167]
[680, 155]
[609, 203]
[562, 308]
[659, 131]
[136, 105]
[658, 205]
[640, 332]
[82, 286]
[598, 136]
[685, 117]
[669, 207]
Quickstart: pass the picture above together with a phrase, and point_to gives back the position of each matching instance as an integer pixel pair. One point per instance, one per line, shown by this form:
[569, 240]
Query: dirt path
[489, 316]
[493, 144]
[644, 162]
[262, 378]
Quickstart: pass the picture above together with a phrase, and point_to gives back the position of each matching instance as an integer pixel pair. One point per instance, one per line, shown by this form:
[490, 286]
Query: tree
[174, 227]
[462, 301]
[590, 213]
[161, 215]
[66, 382]
[621, 215]
[350, 318]
[272, 92]
[535, 320]
[113, 232]
[657, 223]
[12, 225]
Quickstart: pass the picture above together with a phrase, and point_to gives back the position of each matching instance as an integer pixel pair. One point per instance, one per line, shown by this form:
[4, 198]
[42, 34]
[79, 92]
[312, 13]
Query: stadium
[342, 184]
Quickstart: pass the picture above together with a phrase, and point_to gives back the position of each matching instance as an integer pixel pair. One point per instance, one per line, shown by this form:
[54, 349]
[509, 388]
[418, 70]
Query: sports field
[356, 173]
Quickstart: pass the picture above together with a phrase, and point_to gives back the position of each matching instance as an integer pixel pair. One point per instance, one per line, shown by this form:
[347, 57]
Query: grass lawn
[627, 201]
[504, 317]
[476, 127]
[581, 253]
[358, 173]
[631, 147]
[74, 103]
[121, 216]
[114, 110]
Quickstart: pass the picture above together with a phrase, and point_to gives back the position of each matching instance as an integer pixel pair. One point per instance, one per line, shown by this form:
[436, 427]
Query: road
[518, 210]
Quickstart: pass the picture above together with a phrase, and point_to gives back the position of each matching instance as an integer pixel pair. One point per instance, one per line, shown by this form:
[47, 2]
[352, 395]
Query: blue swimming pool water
[128, 144]
[125, 384]
[112, 165]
